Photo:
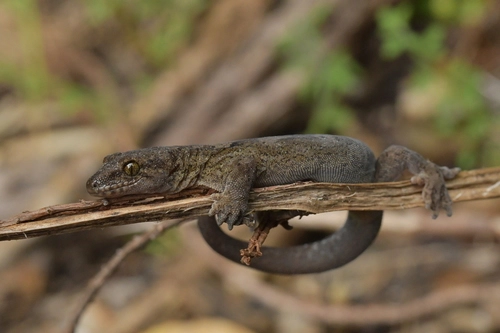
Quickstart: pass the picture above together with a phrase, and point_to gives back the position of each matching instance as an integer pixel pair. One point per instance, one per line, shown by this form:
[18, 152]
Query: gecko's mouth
[113, 190]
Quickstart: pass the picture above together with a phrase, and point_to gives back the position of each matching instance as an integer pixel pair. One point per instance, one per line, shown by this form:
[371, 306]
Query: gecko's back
[321, 158]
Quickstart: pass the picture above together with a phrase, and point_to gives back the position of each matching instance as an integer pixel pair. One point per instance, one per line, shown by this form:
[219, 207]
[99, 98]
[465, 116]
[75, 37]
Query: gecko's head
[143, 171]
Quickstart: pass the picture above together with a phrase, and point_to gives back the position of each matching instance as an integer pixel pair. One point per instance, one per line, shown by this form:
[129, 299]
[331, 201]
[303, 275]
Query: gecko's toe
[250, 221]
[222, 217]
[418, 180]
[449, 173]
[233, 218]
[219, 221]
[449, 212]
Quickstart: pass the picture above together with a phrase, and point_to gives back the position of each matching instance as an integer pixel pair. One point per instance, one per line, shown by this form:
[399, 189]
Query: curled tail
[338, 249]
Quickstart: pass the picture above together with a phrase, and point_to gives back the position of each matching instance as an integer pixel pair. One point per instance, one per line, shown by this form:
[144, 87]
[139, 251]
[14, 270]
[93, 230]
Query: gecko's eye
[131, 168]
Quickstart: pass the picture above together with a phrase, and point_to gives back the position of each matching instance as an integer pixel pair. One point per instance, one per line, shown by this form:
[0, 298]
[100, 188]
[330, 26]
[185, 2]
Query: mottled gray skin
[233, 168]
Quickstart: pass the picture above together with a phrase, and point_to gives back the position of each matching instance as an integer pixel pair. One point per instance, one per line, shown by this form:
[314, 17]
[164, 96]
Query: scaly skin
[233, 168]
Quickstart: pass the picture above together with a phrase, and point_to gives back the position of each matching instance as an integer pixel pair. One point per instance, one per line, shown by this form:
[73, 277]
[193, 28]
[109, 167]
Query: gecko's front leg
[231, 204]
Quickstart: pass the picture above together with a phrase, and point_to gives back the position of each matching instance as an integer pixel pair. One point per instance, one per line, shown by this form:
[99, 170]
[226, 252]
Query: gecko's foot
[226, 209]
[435, 193]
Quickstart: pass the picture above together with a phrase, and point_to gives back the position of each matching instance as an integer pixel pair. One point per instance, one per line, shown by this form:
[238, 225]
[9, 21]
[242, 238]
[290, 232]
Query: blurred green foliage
[458, 12]
[337, 75]
[393, 25]
[331, 75]
[29, 76]
[461, 111]
[165, 245]
[154, 30]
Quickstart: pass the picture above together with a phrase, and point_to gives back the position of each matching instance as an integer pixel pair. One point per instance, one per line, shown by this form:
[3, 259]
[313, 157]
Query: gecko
[232, 169]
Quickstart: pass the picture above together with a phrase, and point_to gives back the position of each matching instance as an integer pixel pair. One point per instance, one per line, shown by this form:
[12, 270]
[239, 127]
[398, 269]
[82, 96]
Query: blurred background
[83, 79]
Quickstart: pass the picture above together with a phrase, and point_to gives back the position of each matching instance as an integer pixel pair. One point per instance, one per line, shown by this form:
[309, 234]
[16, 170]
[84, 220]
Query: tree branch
[310, 197]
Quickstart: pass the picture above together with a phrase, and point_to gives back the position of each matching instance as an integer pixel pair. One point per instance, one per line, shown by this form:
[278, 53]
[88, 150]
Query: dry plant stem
[105, 272]
[487, 295]
[258, 238]
[255, 243]
[308, 197]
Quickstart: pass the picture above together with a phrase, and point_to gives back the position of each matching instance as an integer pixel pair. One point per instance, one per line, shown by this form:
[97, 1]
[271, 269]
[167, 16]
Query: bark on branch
[311, 197]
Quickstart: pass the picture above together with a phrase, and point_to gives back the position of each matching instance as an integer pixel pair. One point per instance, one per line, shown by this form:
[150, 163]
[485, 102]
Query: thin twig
[308, 197]
[95, 284]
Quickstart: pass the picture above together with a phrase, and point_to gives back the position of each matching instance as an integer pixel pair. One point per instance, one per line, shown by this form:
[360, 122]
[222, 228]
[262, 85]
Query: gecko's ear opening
[131, 168]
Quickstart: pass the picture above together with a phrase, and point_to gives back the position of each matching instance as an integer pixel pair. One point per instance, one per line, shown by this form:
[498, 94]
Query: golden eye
[131, 168]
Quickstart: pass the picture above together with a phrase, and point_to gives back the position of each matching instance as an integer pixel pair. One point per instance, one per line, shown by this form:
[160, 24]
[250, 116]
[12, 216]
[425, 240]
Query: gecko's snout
[92, 186]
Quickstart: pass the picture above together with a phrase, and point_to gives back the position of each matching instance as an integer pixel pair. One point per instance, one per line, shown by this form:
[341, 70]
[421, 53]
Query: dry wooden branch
[309, 197]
